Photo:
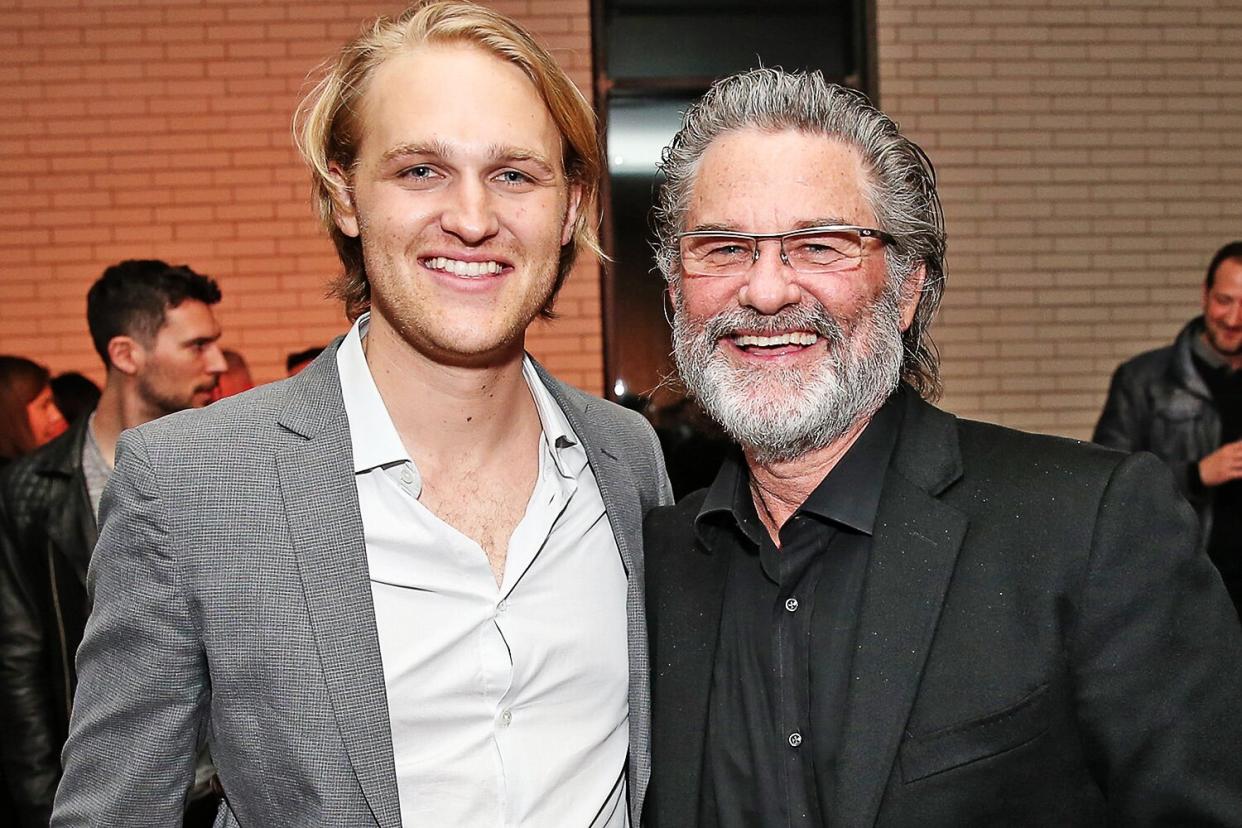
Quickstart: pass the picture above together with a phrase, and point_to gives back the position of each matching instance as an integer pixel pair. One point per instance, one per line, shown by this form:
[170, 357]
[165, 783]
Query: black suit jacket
[1039, 643]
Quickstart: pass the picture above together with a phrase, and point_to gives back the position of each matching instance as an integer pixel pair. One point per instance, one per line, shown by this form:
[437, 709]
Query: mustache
[812, 316]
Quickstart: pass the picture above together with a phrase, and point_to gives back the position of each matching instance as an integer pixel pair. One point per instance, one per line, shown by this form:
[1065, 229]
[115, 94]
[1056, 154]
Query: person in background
[29, 417]
[1183, 403]
[298, 360]
[235, 379]
[880, 613]
[152, 325]
[75, 394]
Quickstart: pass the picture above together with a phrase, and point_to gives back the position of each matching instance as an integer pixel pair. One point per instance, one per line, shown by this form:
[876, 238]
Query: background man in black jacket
[879, 614]
[153, 326]
[1183, 403]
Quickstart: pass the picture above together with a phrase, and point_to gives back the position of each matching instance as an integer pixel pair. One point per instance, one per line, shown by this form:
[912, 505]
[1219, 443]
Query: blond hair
[327, 129]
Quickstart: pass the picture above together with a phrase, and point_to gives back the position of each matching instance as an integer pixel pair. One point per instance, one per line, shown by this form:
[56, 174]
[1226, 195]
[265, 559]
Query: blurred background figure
[298, 360]
[1183, 403]
[236, 377]
[28, 413]
[75, 394]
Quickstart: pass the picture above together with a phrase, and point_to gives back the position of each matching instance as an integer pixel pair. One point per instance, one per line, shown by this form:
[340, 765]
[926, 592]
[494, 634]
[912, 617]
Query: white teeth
[470, 270]
[792, 338]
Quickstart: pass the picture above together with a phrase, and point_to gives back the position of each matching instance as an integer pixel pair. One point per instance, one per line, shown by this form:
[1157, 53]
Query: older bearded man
[879, 613]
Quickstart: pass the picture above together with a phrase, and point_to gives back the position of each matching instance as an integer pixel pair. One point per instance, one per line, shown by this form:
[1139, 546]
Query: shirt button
[795, 739]
[506, 718]
[792, 604]
[407, 475]
[502, 606]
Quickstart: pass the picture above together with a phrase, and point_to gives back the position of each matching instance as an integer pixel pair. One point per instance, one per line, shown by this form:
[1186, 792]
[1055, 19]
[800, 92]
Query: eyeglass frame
[863, 232]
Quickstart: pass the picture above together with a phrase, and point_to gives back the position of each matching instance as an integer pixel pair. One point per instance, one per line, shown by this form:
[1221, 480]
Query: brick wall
[1090, 159]
[161, 128]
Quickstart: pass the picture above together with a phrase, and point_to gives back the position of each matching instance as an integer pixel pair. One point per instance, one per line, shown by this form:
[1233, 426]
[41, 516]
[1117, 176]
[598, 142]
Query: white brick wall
[1090, 163]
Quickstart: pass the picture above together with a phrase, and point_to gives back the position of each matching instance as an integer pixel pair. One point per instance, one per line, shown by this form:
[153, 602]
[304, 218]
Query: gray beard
[779, 413]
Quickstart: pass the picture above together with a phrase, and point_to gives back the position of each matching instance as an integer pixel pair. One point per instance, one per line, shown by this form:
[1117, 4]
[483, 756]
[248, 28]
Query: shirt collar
[376, 442]
[558, 435]
[849, 495]
[1210, 357]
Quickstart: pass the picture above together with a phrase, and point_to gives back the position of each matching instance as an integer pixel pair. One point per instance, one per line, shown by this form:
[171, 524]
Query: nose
[470, 214]
[215, 361]
[1233, 317]
[769, 284]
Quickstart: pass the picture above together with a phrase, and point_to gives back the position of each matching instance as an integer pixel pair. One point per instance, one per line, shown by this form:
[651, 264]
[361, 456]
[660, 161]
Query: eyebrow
[203, 340]
[827, 221]
[496, 153]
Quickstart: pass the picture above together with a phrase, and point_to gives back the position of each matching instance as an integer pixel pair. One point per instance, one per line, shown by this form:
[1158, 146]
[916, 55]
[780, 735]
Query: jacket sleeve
[1155, 653]
[1123, 422]
[29, 750]
[142, 679]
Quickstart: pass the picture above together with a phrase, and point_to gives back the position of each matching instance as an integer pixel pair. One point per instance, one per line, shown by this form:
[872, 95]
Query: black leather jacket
[47, 532]
[1158, 402]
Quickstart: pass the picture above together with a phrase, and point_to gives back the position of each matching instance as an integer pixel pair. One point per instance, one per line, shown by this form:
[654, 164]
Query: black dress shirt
[785, 646]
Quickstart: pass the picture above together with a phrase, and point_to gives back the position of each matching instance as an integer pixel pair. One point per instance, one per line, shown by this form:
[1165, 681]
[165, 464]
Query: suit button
[792, 605]
[795, 739]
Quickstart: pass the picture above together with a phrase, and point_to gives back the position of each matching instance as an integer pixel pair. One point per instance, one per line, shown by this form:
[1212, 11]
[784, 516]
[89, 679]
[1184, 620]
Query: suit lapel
[616, 482]
[913, 555]
[690, 590]
[622, 502]
[325, 524]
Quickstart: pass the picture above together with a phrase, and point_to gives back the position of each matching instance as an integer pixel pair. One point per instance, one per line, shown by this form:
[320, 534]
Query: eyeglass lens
[819, 251]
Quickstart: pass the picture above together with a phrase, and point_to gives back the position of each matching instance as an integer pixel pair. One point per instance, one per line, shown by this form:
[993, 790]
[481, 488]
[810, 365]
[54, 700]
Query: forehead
[453, 94]
[1228, 278]
[191, 319]
[765, 181]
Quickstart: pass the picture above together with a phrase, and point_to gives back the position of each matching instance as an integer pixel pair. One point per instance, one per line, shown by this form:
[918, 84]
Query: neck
[1234, 361]
[120, 406]
[780, 488]
[452, 411]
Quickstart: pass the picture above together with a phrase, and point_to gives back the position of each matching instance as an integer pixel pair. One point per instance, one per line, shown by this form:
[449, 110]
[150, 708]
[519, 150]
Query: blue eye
[514, 177]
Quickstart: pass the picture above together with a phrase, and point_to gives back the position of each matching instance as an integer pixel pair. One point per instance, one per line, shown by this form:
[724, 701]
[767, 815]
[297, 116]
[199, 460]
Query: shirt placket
[792, 611]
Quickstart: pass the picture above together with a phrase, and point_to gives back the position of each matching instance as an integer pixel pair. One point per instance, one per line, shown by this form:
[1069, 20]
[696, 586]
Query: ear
[572, 210]
[343, 211]
[911, 291]
[126, 354]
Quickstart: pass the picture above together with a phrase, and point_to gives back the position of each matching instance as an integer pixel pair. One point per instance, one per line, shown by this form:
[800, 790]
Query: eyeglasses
[812, 251]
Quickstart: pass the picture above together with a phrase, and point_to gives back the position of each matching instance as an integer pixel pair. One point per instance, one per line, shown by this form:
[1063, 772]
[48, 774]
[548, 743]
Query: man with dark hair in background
[1183, 403]
[879, 613]
[153, 327]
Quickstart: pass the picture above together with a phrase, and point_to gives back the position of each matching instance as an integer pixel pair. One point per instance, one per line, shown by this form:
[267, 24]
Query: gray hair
[902, 192]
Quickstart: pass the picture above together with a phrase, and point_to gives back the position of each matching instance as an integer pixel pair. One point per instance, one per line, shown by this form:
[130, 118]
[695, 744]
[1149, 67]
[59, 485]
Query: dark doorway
[652, 57]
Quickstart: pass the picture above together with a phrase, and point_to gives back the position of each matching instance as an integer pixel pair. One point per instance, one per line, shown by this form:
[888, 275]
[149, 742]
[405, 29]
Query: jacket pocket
[952, 747]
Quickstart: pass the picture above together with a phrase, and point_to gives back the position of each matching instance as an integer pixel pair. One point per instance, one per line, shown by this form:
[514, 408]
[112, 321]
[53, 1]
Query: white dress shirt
[509, 705]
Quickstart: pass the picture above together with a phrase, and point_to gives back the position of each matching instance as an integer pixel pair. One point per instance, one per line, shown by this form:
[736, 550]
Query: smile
[469, 270]
[776, 340]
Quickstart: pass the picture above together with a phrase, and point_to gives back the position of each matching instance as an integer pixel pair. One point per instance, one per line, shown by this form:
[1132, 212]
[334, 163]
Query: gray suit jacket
[232, 602]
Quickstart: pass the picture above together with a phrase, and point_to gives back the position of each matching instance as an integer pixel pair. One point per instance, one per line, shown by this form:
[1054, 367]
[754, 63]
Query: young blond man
[404, 586]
